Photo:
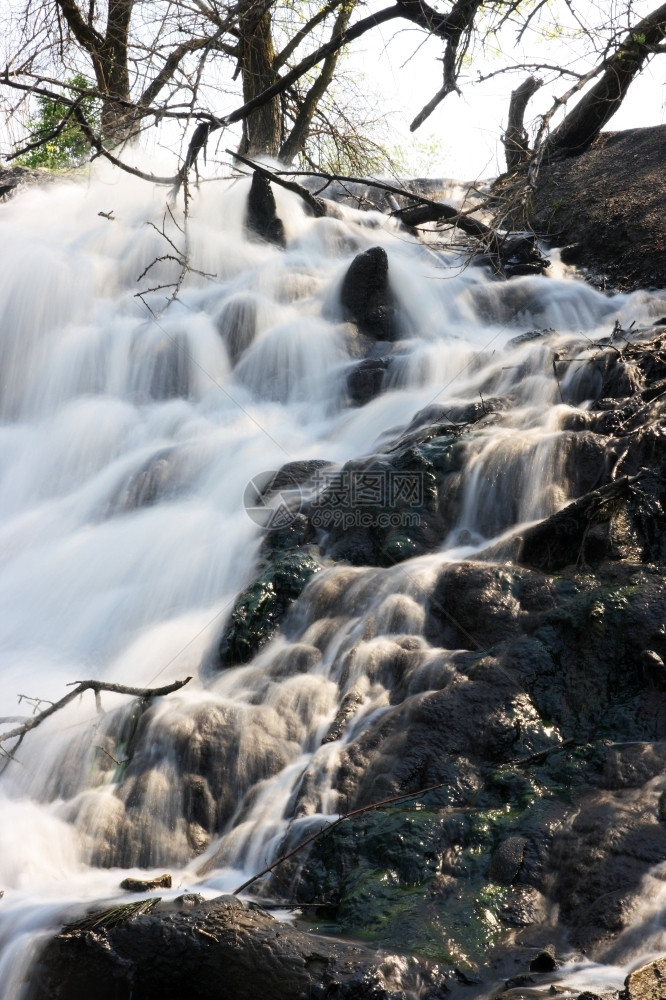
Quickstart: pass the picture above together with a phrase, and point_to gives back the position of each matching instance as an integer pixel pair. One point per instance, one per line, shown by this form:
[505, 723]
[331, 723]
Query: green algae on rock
[261, 608]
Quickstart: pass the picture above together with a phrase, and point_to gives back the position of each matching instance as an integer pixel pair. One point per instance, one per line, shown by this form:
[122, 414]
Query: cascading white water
[128, 436]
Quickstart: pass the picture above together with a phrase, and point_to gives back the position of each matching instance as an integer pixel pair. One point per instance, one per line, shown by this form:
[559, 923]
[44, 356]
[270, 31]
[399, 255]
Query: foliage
[62, 143]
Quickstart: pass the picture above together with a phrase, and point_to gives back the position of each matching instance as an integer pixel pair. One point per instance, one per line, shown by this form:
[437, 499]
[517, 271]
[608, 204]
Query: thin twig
[111, 757]
[331, 826]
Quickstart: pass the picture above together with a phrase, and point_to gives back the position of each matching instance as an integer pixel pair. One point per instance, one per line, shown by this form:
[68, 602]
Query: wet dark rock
[199, 806]
[528, 722]
[152, 483]
[507, 860]
[572, 254]
[661, 808]
[365, 379]
[170, 376]
[529, 336]
[401, 503]
[545, 961]
[507, 597]
[415, 876]
[516, 982]
[366, 296]
[620, 377]
[190, 899]
[607, 375]
[436, 421]
[225, 949]
[601, 861]
[262, 219]
[520, 254]
[624, 520]
[654, 670]
[147, 884]
[283, 493]
[298, 531]
[294, 474]
[566, 651]
[543, 664]
[259, 611]
[524, 907]
[581, 663]
[589, 461]
[237, 324]
[350, 703]
[654, 391]
[631, 766]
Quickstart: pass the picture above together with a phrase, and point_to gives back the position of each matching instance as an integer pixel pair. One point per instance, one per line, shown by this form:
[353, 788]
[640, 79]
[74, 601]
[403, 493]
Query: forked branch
[27, 725]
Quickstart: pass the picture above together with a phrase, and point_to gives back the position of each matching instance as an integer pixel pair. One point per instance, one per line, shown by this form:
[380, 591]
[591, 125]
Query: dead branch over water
[27, 725]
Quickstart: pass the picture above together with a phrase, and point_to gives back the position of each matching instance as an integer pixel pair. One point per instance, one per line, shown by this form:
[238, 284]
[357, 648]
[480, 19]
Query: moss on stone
[261, 608]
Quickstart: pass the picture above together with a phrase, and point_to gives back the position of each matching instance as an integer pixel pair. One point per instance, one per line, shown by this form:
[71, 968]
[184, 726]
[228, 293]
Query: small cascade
[361, 628]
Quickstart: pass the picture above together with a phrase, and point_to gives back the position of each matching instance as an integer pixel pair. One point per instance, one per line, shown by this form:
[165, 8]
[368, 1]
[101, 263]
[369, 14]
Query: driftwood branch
[507, 253]
[179, 257]
[435, 211]
[19, 732]
[424, 209]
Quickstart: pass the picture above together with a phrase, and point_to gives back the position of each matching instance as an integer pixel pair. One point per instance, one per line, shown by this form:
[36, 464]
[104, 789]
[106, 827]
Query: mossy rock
[390, 507]
[583, 665]
[420, 879]
[260, 610]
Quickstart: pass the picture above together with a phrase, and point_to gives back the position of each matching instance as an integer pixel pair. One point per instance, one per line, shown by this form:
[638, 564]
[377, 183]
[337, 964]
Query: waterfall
[129, 435]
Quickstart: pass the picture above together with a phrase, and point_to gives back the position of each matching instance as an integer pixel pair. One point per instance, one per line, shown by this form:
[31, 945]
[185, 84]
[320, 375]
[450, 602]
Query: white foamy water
[128, 437]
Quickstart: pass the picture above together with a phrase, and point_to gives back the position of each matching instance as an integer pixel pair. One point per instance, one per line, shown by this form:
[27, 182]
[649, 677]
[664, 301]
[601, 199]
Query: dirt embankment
[611, 202]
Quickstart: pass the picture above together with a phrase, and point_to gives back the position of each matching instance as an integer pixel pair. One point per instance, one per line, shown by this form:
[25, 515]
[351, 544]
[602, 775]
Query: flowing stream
[128, 436]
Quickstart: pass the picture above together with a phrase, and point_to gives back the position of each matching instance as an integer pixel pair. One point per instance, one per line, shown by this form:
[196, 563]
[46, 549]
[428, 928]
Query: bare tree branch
[597, 107]
[315, 204]
[308, 27]
[295, 143]
[19, 732]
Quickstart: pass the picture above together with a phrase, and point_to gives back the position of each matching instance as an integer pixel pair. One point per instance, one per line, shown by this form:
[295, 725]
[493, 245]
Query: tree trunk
[109, 55]
[296, 140]
[262, 132]
[583, 124]
[116, 119]
[515, 140]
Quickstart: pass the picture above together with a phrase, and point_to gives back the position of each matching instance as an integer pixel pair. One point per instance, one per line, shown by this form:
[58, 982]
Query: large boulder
[366, 295]
[214, 950]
